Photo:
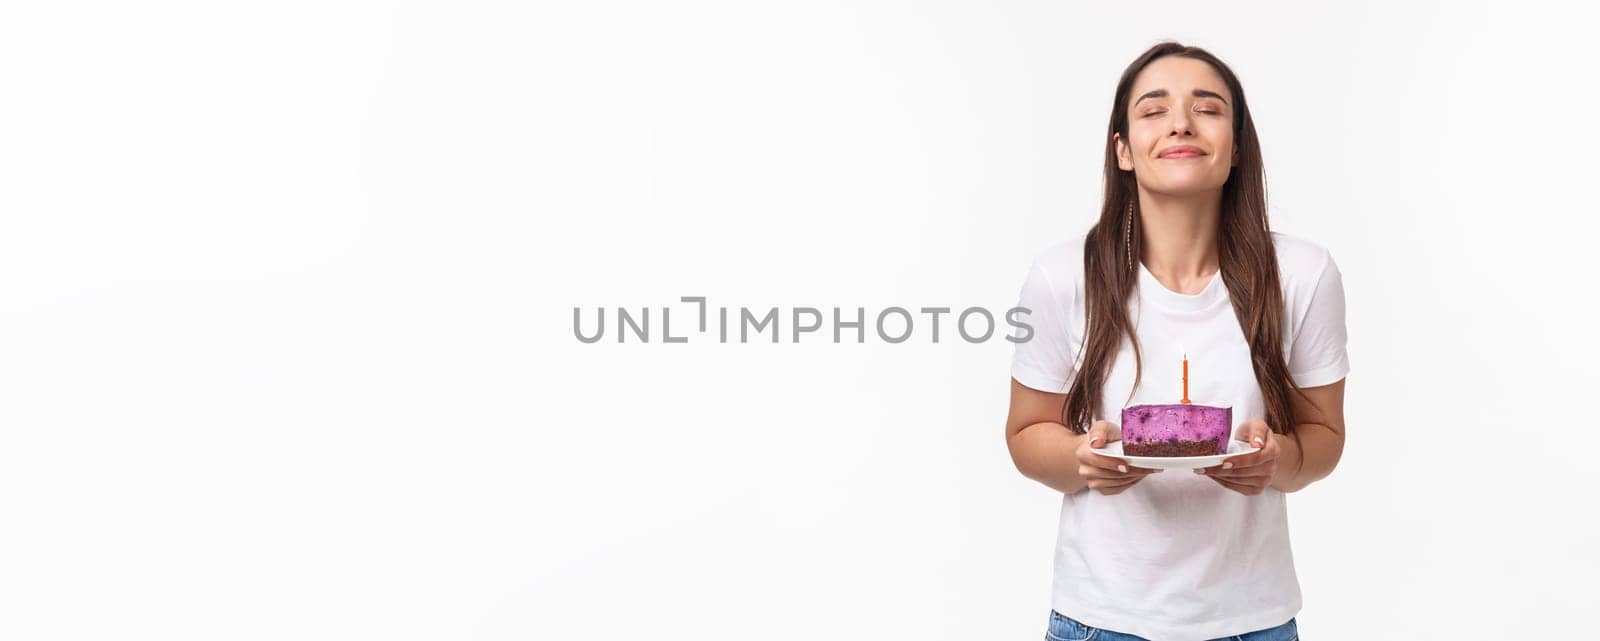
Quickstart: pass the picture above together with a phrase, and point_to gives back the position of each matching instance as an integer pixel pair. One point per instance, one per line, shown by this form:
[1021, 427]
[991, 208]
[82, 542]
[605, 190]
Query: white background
[286, 298]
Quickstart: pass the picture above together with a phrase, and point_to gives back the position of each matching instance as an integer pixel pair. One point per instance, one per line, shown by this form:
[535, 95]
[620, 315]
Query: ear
[1235, 156]
[1124, 159]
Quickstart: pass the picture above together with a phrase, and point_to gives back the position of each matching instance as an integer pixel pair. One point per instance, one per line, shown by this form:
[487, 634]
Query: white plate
[1114, 450]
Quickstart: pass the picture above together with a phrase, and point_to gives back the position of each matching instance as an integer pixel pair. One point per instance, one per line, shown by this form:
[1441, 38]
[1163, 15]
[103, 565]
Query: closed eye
[1162, 111]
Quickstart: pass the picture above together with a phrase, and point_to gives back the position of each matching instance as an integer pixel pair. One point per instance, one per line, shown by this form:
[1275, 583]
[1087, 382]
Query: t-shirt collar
[1153, 291]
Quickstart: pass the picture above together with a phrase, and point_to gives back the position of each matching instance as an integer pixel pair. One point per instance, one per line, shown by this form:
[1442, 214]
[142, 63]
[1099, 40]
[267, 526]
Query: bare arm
[1312, 449]
[1041, 446]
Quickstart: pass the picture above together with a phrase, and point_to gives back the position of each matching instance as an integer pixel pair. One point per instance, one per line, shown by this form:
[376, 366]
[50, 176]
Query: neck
[1179, 238]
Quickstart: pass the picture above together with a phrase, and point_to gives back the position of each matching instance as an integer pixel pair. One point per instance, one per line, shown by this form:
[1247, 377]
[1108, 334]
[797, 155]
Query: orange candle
[1185, 379]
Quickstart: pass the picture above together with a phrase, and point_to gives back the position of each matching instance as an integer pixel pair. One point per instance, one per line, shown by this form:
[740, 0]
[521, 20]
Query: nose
[1180, 123]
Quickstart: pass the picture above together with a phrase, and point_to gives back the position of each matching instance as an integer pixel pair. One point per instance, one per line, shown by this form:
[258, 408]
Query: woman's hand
[1249, 474]
[1105, 474]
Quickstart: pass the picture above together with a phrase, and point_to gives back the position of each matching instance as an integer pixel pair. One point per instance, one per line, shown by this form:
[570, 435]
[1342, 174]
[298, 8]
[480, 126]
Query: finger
[1118, 482]
[1232, 485]
[1254, 432]
[1095, 473]
[1109, 464]
[1247, 461]
[1242, 488]
[1111, 473]
[1265, 454]
[1102, 432]
[1120, 468]
[1112, 487]
[1247, 471]
[1129, 479]
[1236, 475]
[1254, 427]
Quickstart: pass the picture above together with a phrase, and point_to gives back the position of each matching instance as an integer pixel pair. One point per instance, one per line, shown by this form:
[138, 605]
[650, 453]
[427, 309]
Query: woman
[1180, 263]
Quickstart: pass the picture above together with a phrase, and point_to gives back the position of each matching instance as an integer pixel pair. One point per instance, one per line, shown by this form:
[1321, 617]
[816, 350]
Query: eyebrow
[1198, 93]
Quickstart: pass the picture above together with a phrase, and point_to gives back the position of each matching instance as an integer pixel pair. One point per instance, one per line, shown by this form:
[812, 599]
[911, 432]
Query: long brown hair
[1245, 249]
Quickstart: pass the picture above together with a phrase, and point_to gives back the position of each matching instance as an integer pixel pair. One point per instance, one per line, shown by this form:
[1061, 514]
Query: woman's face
[1180, 128]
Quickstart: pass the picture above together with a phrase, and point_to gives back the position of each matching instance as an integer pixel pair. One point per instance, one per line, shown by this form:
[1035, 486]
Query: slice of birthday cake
[1178, 429]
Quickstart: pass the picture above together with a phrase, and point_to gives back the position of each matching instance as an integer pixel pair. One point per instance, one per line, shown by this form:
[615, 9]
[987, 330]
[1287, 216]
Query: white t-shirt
[1178, 557]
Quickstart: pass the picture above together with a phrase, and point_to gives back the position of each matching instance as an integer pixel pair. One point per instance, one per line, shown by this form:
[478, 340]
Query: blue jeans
[1065, 628]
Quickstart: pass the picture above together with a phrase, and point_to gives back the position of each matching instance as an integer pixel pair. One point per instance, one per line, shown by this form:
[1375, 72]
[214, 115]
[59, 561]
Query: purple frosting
[1177, 422]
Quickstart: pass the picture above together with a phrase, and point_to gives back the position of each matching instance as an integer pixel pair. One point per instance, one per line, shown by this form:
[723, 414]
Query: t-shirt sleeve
[1318, 356]
[1045, 361]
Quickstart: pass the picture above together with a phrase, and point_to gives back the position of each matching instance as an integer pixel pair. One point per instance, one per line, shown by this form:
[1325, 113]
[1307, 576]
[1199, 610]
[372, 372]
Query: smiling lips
[1181, 151]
